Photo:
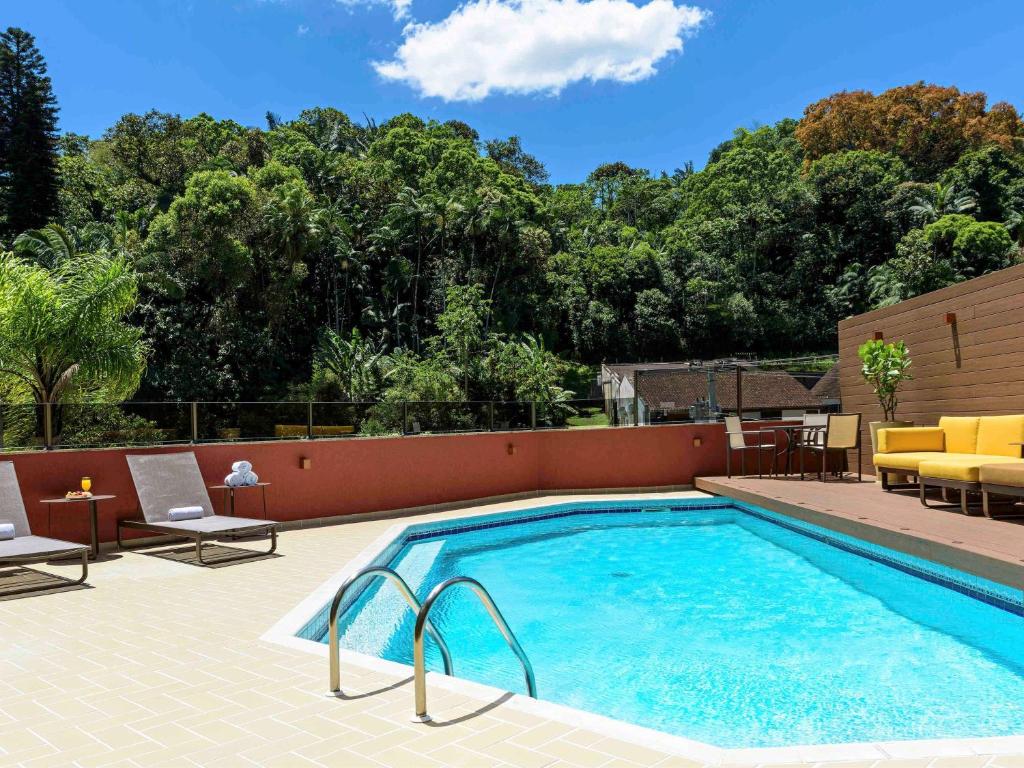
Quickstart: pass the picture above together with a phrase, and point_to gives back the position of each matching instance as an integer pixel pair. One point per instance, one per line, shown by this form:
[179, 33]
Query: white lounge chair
[164, 481]
[26, 548]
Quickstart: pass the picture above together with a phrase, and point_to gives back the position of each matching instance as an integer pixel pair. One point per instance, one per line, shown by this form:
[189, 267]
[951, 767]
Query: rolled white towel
[177, 514]
[6, 531]
[241, 466]
[235, 479]
[251, 478]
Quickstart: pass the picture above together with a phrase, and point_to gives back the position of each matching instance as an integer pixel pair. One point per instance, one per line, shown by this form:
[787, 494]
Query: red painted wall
[372, 474]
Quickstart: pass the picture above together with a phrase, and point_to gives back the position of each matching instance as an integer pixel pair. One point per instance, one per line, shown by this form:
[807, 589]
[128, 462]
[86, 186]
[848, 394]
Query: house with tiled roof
[687, 391]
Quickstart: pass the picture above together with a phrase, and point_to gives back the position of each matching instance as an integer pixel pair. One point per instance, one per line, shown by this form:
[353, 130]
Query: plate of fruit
[78, 495]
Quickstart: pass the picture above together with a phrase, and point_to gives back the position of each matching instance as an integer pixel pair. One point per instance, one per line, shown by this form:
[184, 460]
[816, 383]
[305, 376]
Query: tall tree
[28, 135]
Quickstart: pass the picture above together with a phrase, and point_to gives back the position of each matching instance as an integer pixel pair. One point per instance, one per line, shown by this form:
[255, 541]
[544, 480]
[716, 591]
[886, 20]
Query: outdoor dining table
[792, 440]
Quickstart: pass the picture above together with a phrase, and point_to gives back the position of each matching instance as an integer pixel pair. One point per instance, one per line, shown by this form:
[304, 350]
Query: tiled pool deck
[162, 663]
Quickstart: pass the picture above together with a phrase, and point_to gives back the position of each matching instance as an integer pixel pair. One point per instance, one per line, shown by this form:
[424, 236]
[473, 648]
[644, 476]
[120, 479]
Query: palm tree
[355, 362]
[942, 199]
[64, 333]
[291, 221]
[409, 204]
[48, 246]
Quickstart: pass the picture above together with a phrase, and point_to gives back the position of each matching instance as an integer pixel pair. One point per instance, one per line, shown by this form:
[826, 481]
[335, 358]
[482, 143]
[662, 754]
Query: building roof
[668, 386]
[827, 388]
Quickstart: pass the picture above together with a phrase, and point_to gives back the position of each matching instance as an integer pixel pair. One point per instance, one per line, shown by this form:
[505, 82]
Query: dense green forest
[320, 255]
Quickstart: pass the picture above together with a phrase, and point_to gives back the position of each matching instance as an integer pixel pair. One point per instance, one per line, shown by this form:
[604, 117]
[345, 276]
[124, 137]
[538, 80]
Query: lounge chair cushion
[1002, 474]
[908, 461]
[963, 468]
[6, 531]
[30, 546]
[961, 433]
[996, 435]
[184, 513]
[910, 439]
[216, 524]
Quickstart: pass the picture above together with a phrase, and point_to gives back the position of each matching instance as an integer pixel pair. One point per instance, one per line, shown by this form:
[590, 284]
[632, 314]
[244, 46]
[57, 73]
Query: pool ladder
[423, 625]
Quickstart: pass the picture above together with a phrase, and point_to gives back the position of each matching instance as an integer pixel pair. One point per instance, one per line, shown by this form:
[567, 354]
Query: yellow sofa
[951, 454]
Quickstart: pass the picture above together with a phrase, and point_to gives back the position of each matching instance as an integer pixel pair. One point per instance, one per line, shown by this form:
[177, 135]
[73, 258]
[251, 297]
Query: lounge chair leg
[984, 505]
[272, 550]
[963, 502]
[85, 568]
[920, 486]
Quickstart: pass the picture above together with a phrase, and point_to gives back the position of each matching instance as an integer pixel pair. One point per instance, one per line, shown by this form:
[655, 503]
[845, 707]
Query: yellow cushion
[907, 460]
[961, 467]
[961, 433]
[996, 433]
[905, 439]
[1003, 474]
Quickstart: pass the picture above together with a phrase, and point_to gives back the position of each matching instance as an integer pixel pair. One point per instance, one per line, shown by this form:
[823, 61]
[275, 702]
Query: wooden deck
[993, 549]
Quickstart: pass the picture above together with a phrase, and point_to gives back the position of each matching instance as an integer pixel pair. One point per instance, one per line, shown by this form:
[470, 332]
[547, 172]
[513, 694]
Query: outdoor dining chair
[842, 434]
[737, 440]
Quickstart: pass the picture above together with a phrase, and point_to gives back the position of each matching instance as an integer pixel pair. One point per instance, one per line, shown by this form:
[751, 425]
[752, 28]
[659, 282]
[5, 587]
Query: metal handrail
[420, 671]
[376, 571]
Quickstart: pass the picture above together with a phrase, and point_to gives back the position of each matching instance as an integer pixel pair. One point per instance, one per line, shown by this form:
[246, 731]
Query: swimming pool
[714, 620]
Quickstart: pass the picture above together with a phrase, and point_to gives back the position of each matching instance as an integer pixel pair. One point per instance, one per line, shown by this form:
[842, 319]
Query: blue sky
[581, 82]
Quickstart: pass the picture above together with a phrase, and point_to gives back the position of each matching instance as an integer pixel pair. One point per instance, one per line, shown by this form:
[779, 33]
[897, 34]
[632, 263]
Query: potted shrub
[885, 367]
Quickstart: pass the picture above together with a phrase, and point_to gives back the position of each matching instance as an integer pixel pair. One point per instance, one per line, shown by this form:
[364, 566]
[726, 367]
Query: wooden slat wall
[974, 368]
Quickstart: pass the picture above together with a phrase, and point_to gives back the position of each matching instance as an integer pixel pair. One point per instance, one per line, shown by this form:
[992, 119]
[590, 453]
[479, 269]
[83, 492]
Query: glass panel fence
[21, 426]
[221, 422]
[84, 425]
[512, 415]
[445, 416]
[347, 419]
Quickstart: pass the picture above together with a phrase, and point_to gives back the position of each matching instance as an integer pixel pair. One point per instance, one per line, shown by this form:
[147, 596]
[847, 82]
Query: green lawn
[588, 418]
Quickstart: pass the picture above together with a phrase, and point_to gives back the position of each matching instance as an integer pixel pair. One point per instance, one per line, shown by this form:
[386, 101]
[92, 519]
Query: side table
[94, 522]
[228, 505]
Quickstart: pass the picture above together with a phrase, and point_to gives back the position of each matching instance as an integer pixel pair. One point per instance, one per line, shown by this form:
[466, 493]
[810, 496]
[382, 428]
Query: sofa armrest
[908, 439]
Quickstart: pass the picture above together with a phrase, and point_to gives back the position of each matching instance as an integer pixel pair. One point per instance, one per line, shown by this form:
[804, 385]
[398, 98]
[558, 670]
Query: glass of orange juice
[86, 484]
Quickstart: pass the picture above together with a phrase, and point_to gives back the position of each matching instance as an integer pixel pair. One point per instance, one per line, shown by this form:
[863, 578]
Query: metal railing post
[491, 415]
[739, 392]
[405, 417]
[195, 421]
[47, 425]
[309, 421]
[636, 398]
[533, 414]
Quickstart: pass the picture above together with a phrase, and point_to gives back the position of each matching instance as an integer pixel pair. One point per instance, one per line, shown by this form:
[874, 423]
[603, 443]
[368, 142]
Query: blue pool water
[730, 625]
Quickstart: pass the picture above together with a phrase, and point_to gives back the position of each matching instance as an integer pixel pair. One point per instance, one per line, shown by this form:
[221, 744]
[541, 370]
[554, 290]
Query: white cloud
[530, 46]
[302, 30]
[399, 8]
